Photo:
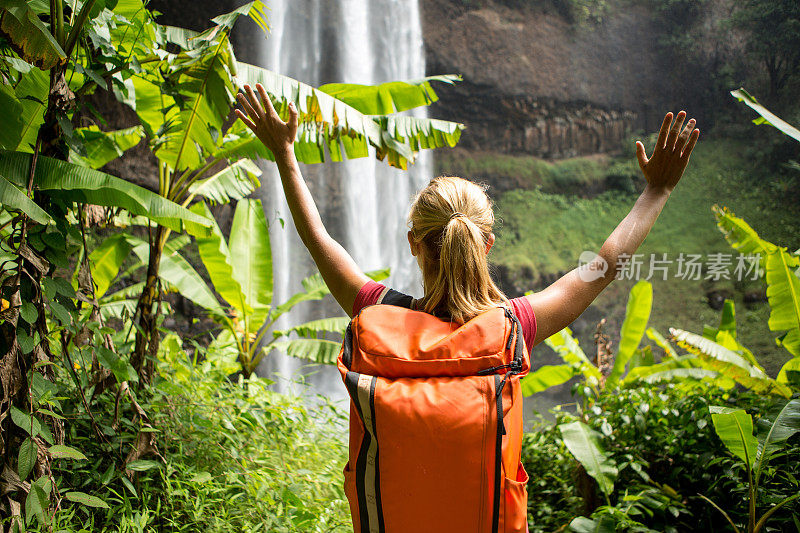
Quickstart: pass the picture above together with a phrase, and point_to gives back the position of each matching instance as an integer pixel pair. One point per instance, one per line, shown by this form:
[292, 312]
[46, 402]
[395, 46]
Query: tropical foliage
[653, 421]
[114, 418]
[89, 258]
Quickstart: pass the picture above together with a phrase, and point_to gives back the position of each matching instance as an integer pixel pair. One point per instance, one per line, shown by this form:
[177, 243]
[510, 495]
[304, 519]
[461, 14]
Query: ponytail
[453, 220]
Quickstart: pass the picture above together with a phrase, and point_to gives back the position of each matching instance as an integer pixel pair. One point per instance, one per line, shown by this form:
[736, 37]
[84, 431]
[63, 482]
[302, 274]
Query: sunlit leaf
[13, 198]
[314, 328]
[217, 259]
[315, 350]
[545, 377]
[104, 146]
[767, 117]
[234, 182]
[86, 499]
[251, 253]
[584, 444]
[29, 35]
[85, 185]
[390, 97]
[106, 260]
[735, 428]
[637, 314]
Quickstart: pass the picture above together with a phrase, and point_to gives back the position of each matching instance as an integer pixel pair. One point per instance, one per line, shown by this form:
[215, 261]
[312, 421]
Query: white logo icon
[591, 266]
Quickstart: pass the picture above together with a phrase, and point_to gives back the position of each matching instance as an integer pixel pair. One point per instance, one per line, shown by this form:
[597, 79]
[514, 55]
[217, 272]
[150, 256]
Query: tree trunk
[147, 339]
[24, 287]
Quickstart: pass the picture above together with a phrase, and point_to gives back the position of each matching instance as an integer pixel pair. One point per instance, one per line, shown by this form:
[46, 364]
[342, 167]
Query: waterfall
[363, 202]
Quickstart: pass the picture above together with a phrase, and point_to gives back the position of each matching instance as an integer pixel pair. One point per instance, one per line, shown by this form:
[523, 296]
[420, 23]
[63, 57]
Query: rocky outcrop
[535, 83]
[543, 127]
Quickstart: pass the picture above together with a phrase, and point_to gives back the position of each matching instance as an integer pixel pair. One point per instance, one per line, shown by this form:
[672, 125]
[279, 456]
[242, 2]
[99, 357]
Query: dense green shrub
[553, 500]
[663, 442]
[232, 456]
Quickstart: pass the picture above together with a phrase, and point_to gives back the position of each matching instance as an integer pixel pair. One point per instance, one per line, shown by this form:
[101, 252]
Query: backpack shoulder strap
[393, 297]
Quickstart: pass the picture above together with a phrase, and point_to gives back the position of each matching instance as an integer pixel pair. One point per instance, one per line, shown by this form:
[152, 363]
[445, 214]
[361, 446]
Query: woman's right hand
[664, 168]
[276, 134]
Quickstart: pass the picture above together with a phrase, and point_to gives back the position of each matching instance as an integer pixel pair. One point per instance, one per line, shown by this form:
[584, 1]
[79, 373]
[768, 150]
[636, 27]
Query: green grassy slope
[541, 234]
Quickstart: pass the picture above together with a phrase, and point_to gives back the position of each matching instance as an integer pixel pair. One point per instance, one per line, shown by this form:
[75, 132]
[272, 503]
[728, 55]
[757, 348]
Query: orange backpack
[435, 422]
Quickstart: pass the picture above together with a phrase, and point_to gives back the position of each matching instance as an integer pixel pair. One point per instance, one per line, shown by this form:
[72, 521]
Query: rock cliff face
[543, 127]
[536, 84]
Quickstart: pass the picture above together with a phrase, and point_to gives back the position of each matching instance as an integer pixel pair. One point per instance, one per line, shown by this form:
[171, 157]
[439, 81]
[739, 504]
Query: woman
[451, 233]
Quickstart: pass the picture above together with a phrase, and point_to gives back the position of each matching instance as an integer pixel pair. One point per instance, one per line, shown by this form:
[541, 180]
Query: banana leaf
[204, 93]
[106, 260]
[154, 107]
[251, 255]
[317, 350]
[783, 291]
[767, 117]
[729, 363]
[727, 321]
[662, 343]
[30, 36]
[234, 182]
[256, 11]
[23, 112]
[603, 524]
[314, 288]
[118, 309]
[390, 97]
[784, 425]
[735, 428]
[136, 36]
[567, 347]
[102, 147]
[791, 341]
[792, 365]
[85, 185]
[681, 374]
[11, 114]
[130, 291]
[178, 273]
[702, 346]
[216, 257]
[545, 377]
[584, 444]
[328, 122]
[640, 302]
[740, 235]
[13, 198]
[783, 284]
[314, 328]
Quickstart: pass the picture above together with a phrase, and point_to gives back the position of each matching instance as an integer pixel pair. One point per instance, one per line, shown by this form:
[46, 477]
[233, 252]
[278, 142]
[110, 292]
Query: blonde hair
[453, 218]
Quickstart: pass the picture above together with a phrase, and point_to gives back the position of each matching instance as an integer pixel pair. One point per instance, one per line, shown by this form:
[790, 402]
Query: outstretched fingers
[254, 103]
[684, 136]
[675, 130]
[662, 133]
[687, 150]
[243, 101]
[265, 99]
[292, 122]
[247, 122]
[641, 155]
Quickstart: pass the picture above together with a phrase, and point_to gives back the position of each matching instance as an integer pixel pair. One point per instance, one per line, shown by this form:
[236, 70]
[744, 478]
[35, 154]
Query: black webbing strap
[498, 455]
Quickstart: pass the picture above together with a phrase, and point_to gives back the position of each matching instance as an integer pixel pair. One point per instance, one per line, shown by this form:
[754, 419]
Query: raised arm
[340, 272]
[561, 303]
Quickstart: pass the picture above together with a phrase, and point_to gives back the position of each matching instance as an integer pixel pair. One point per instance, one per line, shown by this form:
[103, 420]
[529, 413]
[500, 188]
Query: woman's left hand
[665, 167]
[276, 134]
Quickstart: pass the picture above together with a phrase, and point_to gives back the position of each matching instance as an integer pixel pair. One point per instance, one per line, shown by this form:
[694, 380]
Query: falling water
[363, 202]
